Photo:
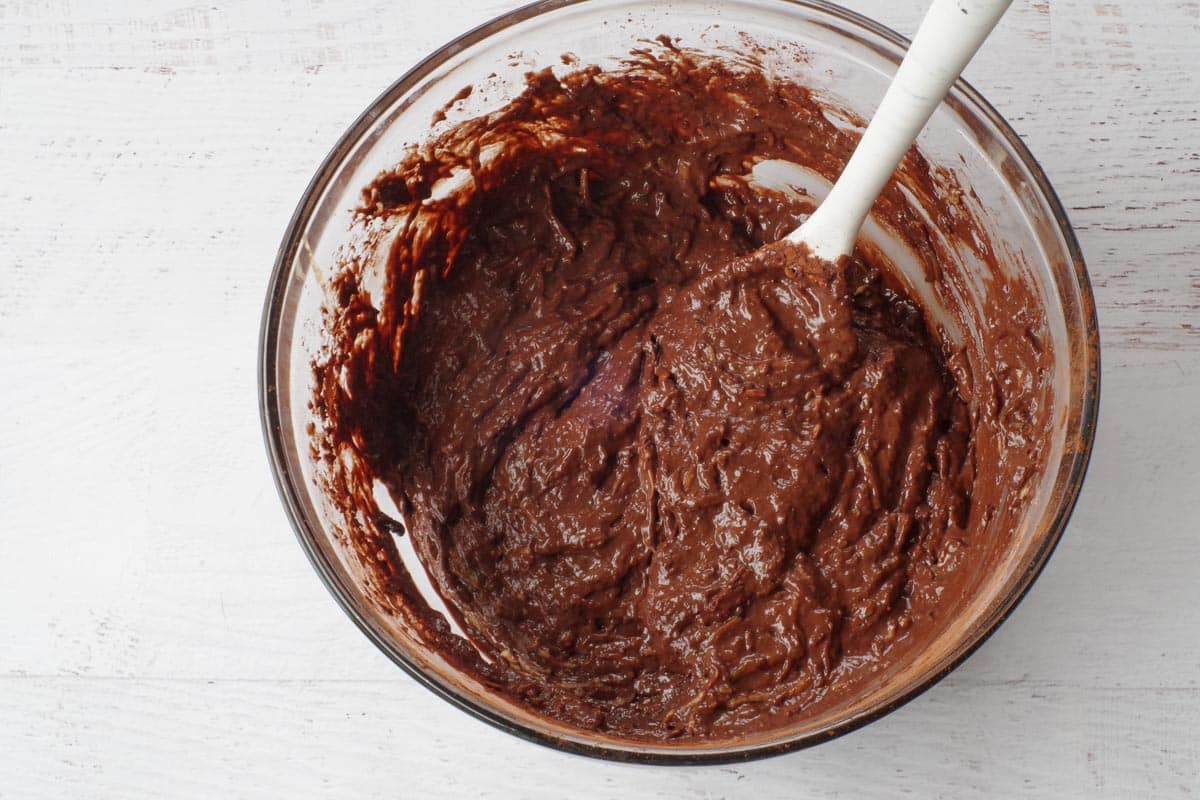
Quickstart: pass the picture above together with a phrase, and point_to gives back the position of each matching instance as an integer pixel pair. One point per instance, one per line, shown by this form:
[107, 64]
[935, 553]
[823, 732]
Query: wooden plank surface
[161, 633]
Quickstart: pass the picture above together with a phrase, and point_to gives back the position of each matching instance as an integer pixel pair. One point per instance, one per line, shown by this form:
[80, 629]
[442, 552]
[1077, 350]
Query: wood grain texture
[389, 738]
[161, 633]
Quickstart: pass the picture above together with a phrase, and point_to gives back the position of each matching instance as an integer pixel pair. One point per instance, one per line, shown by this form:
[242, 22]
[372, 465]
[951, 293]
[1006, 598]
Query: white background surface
[161, 633]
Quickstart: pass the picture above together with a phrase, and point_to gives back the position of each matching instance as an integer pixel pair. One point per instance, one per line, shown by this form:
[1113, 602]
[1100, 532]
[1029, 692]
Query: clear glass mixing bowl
[841, 55]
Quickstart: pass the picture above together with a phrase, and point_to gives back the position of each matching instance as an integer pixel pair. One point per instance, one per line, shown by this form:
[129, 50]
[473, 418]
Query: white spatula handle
[949, 36]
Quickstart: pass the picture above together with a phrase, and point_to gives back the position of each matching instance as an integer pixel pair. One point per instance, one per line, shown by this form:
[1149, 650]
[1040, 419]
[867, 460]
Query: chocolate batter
[672, 480]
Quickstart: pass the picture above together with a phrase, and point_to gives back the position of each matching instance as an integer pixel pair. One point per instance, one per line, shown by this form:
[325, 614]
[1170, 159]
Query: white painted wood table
[161, 633]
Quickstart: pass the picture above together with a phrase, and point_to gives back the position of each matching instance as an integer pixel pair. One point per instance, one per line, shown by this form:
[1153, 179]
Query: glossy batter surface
[670, 482]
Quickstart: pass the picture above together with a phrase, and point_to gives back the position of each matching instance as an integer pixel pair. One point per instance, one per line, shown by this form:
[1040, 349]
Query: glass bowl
[842, 56]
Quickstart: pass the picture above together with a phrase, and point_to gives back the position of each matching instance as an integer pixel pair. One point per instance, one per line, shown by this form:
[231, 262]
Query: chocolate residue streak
[672, 480]
[463, 94]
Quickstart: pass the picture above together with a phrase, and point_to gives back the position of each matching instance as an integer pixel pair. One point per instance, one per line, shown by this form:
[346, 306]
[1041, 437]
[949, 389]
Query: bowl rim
[290, 493]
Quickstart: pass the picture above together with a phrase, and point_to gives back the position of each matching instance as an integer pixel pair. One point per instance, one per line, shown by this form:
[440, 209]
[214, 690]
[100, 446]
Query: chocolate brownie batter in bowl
[584, 450]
